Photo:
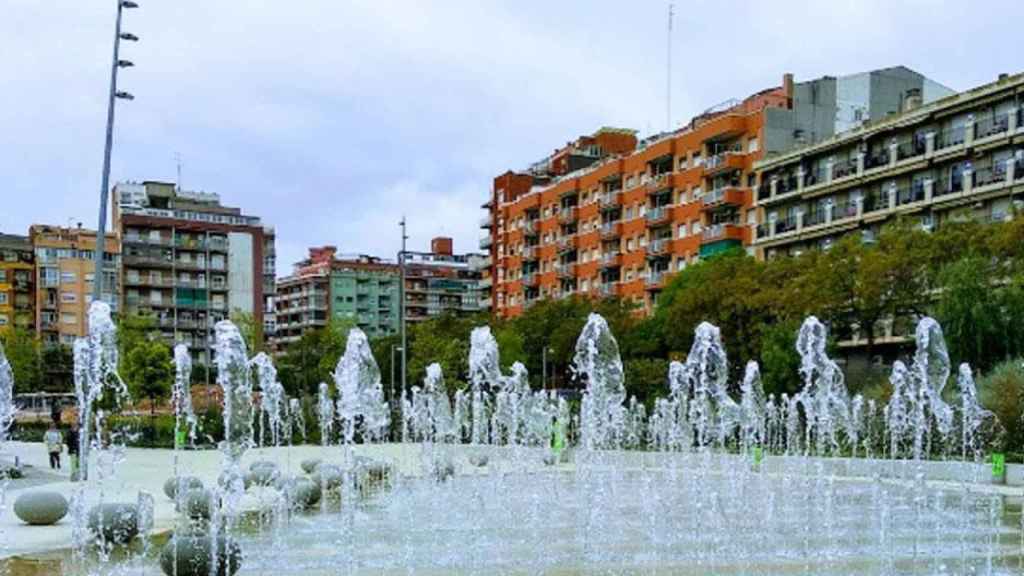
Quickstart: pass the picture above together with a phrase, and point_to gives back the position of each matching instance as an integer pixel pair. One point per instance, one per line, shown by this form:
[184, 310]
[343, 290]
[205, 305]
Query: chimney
[912, 99]
[787, 85]
[441, 245]
[1003, 77]
[322, 254]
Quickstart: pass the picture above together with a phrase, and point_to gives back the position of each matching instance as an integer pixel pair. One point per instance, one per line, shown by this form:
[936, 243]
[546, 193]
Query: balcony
[611, 230]
[656, 279]
[659, 216]
[161, 261]
[991, 125]
[611, 260]
[727, 196]
[568, 215]
[530, 228]
[610, 200]
[608, 289]
[485, 241]
[147, 240]
[658, 183]
[723, 162]
[659, 247]
[147, 281]
[565, 269]
[487, 221]
[530, 279]
[844, 168]
[724, 231]
[567, 243]
[486, 282]
[531, 253]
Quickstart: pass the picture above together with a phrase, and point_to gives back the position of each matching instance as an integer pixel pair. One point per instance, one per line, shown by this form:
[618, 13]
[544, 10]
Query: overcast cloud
[332, 118]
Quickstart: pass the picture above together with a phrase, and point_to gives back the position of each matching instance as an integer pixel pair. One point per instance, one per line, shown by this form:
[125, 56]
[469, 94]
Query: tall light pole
[118, 63]
[401, 304]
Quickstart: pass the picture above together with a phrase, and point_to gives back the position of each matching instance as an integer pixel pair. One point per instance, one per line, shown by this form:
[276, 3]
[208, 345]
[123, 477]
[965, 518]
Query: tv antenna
[668, 69]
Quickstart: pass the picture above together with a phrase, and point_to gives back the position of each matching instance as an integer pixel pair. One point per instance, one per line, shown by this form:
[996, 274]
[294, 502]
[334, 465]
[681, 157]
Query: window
[68, 318]
[68, 297]
[753, 145]
[68, 277]
[3, 298]
[3, 320]
[629, 244]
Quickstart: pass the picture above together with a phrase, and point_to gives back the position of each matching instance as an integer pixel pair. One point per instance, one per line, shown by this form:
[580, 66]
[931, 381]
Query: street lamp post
[401, 304]
[101, 234]
[395, 405]
[544, 367]
[117, 63]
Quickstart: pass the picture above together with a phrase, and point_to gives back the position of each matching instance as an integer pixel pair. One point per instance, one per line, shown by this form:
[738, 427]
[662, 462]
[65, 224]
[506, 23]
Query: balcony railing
[568, 214]
[952, 136]
[486, 221]
[659, 247]
[910, 194]
[844, 168]
[659, 215]
[910, 146]
[610, 199]
[725, 195]
[607, 289]
[991, 125]
[530, 252]
[567, 243]
[610, 230]
[659, 182]
[530, 279]
[611, 259]
[147, 240]
[989, 175]
[565, 269]
[530, 228]
[485, 241]
[656, 279]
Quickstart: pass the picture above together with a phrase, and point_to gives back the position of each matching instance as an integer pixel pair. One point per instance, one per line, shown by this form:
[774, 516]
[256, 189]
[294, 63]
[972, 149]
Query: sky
[331, 119]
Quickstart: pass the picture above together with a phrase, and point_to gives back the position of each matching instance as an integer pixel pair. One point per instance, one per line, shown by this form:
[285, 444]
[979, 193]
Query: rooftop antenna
[668, 70]
[177, 159]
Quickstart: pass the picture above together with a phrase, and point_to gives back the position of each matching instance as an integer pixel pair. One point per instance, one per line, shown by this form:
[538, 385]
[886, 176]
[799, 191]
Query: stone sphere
[305, 493]
[116, 522]
[261, 476]
[187, 483]
[327, 475]
[550, 459]
[189, 555]
[309, 466]
[262, 464]
[196, 504]
[479, 460]
[40, 508]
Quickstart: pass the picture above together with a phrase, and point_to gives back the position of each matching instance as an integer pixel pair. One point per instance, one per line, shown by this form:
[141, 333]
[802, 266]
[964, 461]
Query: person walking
[73, 440]
[54, 445]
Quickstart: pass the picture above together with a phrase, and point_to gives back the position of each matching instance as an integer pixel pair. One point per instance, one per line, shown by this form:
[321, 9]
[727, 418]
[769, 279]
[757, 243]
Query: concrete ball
[116, 522]
[186, 482]
[41, 508]
[309, 465]
[190, 555]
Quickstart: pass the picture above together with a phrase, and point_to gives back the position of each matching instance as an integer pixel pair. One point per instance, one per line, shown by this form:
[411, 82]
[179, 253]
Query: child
[54, 445]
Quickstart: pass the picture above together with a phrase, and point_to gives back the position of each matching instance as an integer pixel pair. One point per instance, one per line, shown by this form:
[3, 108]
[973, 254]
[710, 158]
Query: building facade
[442, 282]
[363, 289]
[961, 157]
[609, 216]
[65, 270]
[17, 283]
[190, 261]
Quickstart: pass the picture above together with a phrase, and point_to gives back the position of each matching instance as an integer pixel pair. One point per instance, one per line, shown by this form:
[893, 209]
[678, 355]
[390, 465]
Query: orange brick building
[609, 216]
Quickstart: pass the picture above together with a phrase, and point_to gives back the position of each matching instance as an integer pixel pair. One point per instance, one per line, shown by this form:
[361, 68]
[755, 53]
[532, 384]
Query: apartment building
[607, 215]
[442, 282]
[324, 286]
[65, 269]
[190, 261]
[960, 157]
[17, 281]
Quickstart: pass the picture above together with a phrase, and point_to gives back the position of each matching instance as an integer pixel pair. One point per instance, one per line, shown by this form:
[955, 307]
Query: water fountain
[7, 410]
[714, 477]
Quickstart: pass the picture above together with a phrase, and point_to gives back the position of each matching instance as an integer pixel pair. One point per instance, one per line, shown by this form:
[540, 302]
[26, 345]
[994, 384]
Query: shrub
[1002, 392]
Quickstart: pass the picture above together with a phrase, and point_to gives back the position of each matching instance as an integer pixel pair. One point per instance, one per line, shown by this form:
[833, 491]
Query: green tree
[149, 370]
[246, 324]
[779, 359]
[646, 378]
[58, 365]
[312, 358]
[22, 351]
